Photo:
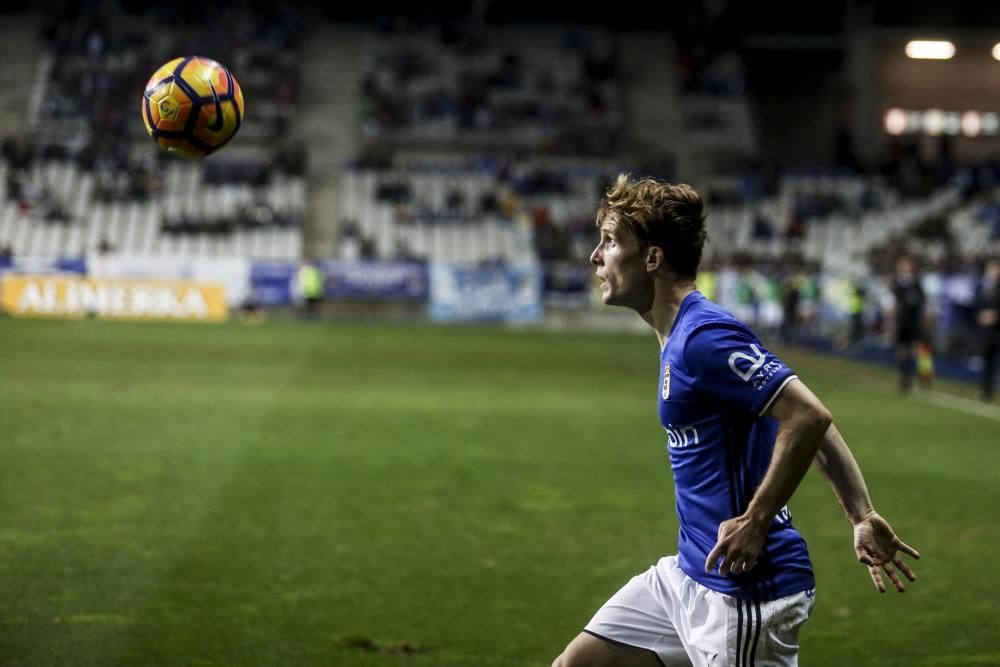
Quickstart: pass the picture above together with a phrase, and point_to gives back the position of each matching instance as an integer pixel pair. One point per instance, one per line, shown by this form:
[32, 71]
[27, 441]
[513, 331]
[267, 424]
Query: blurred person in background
[856, 311]
[810, 302]
[988, 318]
[742, 430]
[908, 320]
[309, 284]
[791, 292]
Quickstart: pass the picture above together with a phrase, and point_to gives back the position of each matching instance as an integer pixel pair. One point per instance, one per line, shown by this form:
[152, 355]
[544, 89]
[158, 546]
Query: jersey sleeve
[730, 364]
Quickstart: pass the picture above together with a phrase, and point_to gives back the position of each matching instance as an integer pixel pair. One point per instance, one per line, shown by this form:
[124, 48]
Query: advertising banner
[271, 283]
[47, 265]
[568, 285]
[511, 293]
[71, 297]
[232, 272]
[376, 281]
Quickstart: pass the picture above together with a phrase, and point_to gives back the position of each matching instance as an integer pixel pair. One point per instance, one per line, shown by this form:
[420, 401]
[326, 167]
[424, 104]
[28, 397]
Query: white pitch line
[960, 404]
[936, 398]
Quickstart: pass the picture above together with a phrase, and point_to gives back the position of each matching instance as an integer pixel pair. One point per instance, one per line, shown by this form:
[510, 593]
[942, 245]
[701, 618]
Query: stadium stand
[544, 89]
[473, 209]
[485, 144]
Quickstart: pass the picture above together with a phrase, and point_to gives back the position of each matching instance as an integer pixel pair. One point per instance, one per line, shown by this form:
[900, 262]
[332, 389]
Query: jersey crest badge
[666, 382]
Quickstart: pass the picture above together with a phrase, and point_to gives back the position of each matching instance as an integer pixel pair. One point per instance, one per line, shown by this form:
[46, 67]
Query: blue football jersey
[716, 382]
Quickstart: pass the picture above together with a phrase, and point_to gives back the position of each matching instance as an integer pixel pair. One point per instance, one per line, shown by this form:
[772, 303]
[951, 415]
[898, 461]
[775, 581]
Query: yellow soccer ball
[192, 106]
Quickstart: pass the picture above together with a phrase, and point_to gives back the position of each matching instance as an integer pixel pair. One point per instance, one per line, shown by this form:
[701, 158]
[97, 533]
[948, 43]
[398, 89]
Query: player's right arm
[875, 543]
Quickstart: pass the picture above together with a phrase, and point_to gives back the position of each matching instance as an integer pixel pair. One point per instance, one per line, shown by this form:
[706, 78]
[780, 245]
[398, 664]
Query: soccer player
[741, 430]
[988, 318]
[909, 319]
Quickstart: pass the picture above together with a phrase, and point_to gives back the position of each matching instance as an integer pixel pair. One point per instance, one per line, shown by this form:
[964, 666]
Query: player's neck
[666, 303]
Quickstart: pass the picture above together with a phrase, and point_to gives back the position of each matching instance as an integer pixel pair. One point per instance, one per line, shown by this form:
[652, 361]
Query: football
[192, 106]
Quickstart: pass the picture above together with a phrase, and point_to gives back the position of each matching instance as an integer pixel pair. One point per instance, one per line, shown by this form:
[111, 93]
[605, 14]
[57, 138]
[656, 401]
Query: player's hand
[878, 547]
[739, 543]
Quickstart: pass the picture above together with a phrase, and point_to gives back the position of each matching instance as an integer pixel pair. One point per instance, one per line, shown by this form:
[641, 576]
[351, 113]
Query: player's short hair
[666, 215]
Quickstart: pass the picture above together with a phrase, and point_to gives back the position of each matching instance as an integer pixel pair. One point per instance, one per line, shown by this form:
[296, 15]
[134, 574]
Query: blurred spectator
[454, 203]
[16, 152]
[763, 230]
[49, 207]
[489, 204]
[988, 318]
[403, 253]
[368, 248]
[15, 185]
[350, 242]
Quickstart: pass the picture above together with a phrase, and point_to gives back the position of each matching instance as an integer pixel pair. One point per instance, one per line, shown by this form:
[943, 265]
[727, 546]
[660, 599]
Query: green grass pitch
[356, 494]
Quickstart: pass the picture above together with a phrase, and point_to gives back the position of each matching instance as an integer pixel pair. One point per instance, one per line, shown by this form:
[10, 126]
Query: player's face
[621, 267]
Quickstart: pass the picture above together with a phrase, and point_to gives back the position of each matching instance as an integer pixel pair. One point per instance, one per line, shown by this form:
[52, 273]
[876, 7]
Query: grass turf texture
[299, 494]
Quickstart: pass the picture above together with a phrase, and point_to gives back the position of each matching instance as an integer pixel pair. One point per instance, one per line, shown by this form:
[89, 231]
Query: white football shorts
[683, 623]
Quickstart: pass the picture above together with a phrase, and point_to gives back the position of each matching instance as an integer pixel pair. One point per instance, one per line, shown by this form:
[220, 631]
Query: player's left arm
[802, 422]
[875, 542]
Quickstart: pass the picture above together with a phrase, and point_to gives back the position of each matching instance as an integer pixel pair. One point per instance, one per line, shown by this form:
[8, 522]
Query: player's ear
[654, 258]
